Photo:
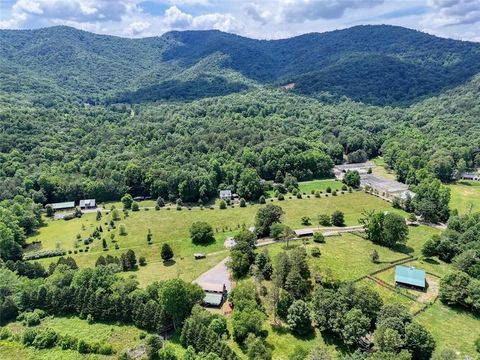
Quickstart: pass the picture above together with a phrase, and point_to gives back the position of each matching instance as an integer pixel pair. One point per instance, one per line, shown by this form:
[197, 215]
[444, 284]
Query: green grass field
[465, 196]
[320, 185]
[121, 337]
[172, 226]
[452, 328]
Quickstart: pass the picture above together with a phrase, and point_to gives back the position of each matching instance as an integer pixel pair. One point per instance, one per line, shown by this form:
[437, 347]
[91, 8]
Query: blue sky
[264, 19]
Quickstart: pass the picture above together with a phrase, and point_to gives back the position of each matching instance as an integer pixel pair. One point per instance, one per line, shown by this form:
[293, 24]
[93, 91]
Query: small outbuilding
[215, 293]
[303, 232]
[410, 276]
[68, 205]
[226, 194]
[88, 204]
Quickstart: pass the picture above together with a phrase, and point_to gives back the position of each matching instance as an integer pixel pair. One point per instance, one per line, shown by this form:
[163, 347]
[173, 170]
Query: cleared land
[172, 226]
[465, 196]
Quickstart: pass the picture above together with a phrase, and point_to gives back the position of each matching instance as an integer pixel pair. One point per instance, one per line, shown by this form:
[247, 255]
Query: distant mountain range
[374, 64]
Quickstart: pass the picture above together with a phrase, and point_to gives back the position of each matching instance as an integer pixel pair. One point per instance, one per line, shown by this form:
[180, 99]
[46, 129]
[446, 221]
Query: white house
[226, 194]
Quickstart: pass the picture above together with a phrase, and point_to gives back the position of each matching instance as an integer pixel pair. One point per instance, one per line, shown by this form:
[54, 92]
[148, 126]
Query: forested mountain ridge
[372, 64]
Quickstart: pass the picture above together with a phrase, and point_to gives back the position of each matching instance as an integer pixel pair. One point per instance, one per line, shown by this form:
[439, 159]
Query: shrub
[281, 197]
[5, 333]
[167, 252]
[306, 220]
[316, 252]
[122, 230]
[45, 339]
[334, 193]
[142, 261]
[44, 254]
[83, 347]
[317, 194]
[328, 190]
[261, 200]
[67, 342]
[243, 203]
[28, 337]
[201, 233]
[135, 206]
[90, 319]
[344, 187]
[338, 218]
[31, 319]
[105, 349]
[222, 205]
[318, 237]
[299, 195]
[324, 220]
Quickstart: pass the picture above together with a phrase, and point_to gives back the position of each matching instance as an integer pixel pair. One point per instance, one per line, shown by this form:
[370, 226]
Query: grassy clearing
[172, 226]
[120, 337]
[452, 328]
[465, 196]
[320, 185]
[347, 257]
[380, 170]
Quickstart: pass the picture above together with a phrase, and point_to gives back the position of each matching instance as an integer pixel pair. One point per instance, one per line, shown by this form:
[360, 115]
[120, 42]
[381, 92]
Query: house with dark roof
[410, 276]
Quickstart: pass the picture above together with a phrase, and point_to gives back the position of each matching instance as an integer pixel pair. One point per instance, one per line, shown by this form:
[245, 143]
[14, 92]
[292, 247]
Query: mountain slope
[373, 64]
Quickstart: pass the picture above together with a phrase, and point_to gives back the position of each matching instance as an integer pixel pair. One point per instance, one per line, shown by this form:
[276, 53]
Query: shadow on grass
[280, 329]
[404, 249]
[170, 262]
[431, 261]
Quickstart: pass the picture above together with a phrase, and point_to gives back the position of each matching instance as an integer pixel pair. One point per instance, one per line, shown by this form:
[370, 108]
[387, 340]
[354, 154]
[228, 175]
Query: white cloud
[267, 19]
[302, 10]
[453, 12]
[176, 19]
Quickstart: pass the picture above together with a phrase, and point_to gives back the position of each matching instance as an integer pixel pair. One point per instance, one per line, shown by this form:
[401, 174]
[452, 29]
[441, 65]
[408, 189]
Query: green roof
[410, 276]
[214, 299]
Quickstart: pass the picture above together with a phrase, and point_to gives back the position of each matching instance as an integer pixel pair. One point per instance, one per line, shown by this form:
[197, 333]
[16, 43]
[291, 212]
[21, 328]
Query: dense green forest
[85, 115]
[372, 64]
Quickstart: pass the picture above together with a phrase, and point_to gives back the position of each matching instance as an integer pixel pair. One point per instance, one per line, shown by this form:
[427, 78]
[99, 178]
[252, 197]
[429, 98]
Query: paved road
[217, 275]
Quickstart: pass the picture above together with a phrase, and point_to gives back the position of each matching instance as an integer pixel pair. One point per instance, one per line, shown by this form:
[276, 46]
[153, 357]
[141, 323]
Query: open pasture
[465, 196]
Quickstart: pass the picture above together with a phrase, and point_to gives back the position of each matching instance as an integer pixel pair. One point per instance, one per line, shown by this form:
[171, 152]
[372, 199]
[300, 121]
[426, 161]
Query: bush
[318, 237]
[43, 254]
[90, 319]
[222, 205]
[306, 220]
[328, 190]
[338, 218]
[324, 220]
[334, 193]
[316, 252]
[122, 230]
[67, 342]
[299, 195]
[281, 197]
[142, 261]
[31, 319]
[243, 203]
[135, 206]
[5, 333]
[201, 233]
[261, 200]
[45, 339]
[317, 194]
[83, 347]
[29, 336]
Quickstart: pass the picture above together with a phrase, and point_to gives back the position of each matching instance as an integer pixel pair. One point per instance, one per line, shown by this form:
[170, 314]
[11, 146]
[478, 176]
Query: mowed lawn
[346, 257]
[172, 226]
[321, 185]
[465, 196]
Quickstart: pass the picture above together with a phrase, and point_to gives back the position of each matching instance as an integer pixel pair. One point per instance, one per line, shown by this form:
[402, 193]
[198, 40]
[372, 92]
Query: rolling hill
[371, 64]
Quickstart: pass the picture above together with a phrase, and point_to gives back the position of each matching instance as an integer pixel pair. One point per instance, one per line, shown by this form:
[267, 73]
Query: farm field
[172, 226]
[465, 196]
